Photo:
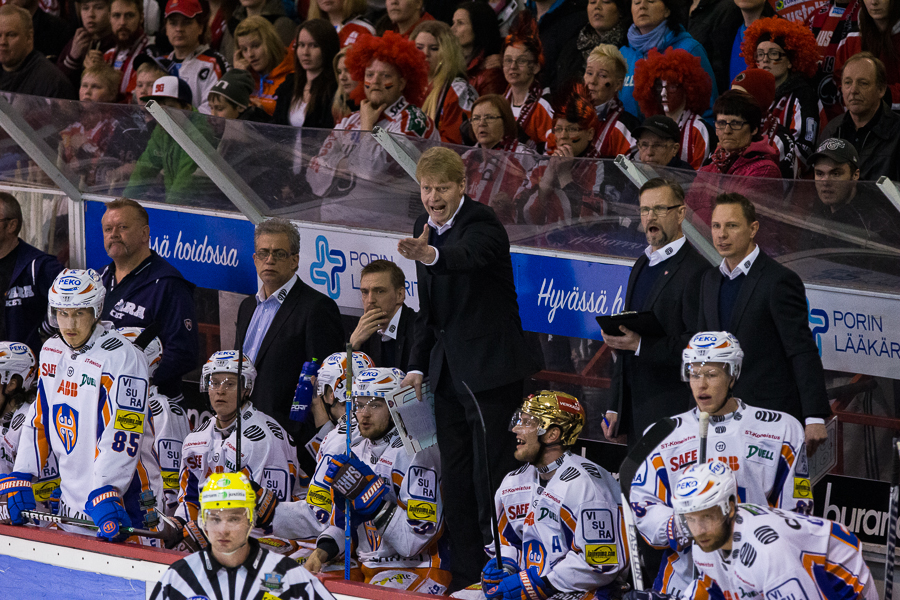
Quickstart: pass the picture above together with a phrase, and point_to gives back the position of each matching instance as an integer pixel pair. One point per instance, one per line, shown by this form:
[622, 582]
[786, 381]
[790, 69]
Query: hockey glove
[353, 479]
[491, 576]
[105, 507]
[678, 538]
[194, 538]
[525, 585]
[20, 496]
[266, 502]
[53, 500]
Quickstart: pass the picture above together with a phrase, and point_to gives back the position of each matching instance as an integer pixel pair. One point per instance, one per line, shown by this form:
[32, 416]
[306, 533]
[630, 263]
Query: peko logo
[818, 322]
[318, 271]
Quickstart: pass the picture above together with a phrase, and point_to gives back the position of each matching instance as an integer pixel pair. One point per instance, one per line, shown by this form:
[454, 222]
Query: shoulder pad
[569, 474]
[254, 433]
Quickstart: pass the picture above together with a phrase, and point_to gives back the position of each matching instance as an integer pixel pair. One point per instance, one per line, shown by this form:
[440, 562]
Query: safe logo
[818, 322]
[318, 271]
[65, 419]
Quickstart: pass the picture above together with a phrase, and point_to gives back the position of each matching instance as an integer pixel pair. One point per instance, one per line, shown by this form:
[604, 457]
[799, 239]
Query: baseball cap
[159, 62]
[838, 150]
[188, 8]
[236, 85]
[661, 125]
[759, 83]
[170, 86]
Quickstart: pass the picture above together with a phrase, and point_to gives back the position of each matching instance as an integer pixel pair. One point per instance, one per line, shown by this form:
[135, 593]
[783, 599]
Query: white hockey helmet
[17, 359]
[703, 486]
[153, 351]
[712, 347]
[380, 382]
[76, 288]
[226, 361]
[333, 372]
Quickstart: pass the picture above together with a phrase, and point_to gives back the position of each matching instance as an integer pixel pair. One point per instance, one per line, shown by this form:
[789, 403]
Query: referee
[235, 567]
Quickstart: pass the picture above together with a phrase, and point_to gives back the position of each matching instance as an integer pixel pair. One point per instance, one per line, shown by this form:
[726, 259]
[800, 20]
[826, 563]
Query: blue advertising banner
[211, 252]
[562, 296]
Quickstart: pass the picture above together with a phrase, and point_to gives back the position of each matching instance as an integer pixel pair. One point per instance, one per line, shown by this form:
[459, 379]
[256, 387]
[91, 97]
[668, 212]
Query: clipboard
[644, 323]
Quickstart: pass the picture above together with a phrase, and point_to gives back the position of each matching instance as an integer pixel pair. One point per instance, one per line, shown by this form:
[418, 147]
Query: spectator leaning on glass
[25, 70]
[475, 26]
[608, 22]
[305, 97]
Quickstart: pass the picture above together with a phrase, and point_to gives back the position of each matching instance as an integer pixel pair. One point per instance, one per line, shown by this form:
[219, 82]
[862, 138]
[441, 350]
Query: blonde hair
[339, 106]
[441, 163]
[260, 26]
[351, 8]
[154, 69]
[452, 64]
[608, 52]
[108, 76]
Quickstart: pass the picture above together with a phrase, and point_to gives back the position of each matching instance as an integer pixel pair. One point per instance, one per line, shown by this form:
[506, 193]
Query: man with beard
[664, 280]
[127, 20]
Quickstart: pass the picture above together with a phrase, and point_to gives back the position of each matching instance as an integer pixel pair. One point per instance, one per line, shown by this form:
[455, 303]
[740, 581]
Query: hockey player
[235, 566]
[92, 413]
[395, 498]
[758, 551]
[169, 421]
[559, 520]
[764, 448]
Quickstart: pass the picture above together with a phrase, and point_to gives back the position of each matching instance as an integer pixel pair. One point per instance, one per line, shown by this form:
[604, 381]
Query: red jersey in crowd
[535, 117]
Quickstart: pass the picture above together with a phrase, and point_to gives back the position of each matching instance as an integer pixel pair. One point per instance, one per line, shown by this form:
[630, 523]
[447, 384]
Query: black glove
[266, 501]
[645, 595]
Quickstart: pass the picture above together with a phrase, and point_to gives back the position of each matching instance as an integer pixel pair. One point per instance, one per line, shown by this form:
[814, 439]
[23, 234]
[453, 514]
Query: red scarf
[724, 160]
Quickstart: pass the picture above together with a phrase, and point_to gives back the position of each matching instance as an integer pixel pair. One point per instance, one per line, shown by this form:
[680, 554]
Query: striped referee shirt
[263, 576]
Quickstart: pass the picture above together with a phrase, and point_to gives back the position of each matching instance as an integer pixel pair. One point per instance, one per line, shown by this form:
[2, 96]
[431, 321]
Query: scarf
[589, 38]
[644, 42]
[724, 160]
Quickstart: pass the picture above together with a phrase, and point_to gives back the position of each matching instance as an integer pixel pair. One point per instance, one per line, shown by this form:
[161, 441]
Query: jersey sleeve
[188, 507]
[9, 441]
[124, 415]
[419, 516]
[34, 440]
[651, 500]
[792, 489]
[299, 521]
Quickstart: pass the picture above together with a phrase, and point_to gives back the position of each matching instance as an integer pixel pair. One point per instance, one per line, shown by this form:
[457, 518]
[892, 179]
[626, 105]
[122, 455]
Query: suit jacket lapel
[752, 278]
[280, 318]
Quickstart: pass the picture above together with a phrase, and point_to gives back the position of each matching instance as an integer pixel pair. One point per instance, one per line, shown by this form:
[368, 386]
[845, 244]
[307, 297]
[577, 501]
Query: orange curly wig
[393, 49]
[677, 66]
[795, 39]
[573, 103]
[524, 31]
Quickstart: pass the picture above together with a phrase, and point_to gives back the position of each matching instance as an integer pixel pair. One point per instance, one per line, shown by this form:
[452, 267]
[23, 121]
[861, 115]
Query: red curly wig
[573, 103]
[677, 66]
[795, 39]
[524, 31]
[393, 49]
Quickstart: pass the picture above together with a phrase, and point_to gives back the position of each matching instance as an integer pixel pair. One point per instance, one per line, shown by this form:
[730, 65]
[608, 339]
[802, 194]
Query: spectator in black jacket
[608, 22]
[558, 22]
[714, 23]
[25, 70]
[50, 32]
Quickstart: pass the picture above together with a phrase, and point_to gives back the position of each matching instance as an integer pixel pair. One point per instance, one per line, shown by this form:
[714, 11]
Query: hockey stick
[240, 393]
[892, 522]
[704, 434]
[495, 523]
[42, 516]
[348, 530]
[647, 444]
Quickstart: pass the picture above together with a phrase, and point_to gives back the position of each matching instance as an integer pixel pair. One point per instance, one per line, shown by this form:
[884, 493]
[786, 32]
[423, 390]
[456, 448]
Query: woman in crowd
[271, 10]
[305, 97]
[343, 104]
[522, 61]
[261, 52]
[347, 16]
[608, 22]
[674, 83]
[475, 26]
[788, 51]
[879, 33]
[450, 97]
[658, 24]
[402, 17]
[220, 12]
[603, 78]
[494, 178]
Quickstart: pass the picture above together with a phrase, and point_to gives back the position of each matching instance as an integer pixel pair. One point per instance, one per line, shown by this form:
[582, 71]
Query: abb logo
[48, 370]
[731, 461]
[67, 388]
[160, 87]
[517, 511]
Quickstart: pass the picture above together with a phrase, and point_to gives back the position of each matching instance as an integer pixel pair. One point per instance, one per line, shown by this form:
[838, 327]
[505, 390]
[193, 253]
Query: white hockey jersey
[412, 538]
[268, 457]
[569, 528]
[172, 427]
[780, 555]
[764, 448]
[91, 412]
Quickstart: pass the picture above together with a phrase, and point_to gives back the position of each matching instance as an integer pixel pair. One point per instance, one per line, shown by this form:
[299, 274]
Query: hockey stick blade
[495, 523]
[49, 518]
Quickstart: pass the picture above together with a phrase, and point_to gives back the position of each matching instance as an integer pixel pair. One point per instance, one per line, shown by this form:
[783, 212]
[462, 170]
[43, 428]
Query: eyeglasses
[519, 62]
[486, 119]
[558, 131]
[659, 211]
[279, 255]
[734, 125]
[226, 385]
[772, 55]
[371, 405]
[653, 145]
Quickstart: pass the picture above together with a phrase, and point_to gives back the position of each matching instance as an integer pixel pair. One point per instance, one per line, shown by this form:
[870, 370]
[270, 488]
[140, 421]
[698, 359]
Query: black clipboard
[643, 323]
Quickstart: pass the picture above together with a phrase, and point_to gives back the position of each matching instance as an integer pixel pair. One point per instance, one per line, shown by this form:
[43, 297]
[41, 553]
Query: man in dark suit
[387, 328]
[285, 324]
[647, 382]
[763, 304]
[468, 330]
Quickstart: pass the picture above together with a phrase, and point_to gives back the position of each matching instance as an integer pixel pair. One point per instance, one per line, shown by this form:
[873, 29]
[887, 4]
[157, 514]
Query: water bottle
[304, 394]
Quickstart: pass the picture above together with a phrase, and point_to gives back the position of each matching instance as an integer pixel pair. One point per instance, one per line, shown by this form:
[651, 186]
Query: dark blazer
[781, 368]
[648, 387]
[468, 308]
[307, 326]
[406, 334]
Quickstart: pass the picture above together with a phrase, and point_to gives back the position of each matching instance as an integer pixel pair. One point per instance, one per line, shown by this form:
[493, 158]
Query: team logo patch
[601, 554]
[65, 419]
[419, 510]
[129, 421]
[535, 555]
[131, 393]
[400, 580]
[188, 324]
[319, 497]
[802, 488]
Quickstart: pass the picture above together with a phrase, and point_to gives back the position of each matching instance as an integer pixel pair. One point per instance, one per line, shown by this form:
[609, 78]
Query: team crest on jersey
[535, 555]
[65, 419]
